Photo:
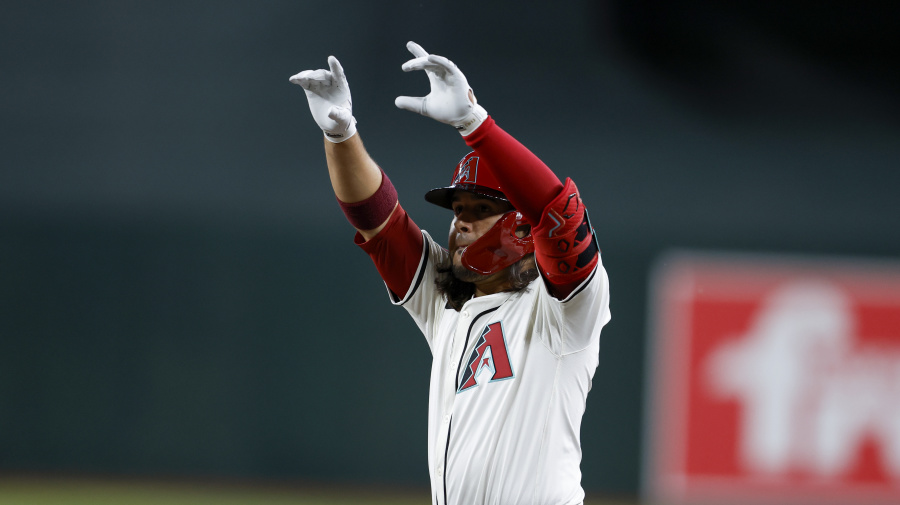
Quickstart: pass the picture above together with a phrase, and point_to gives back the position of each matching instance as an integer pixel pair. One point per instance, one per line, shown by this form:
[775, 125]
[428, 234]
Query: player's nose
[461, 224]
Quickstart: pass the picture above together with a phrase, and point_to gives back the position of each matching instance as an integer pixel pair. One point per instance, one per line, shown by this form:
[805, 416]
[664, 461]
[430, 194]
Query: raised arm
[363, 190]
[357, 181]
[355, 177]
[528, 183]
[564, 242]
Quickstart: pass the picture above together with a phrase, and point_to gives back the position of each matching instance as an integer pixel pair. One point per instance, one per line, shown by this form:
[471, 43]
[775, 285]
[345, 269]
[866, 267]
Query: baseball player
[511, 309]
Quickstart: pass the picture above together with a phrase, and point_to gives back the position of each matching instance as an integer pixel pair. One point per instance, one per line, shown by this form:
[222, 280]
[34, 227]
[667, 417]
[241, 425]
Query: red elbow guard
[564, 243]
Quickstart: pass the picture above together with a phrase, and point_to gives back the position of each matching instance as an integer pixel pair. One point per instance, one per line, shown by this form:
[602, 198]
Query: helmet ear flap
[508, 241]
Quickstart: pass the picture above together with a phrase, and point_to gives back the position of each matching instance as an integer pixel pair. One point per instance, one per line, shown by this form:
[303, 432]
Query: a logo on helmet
[468, 171]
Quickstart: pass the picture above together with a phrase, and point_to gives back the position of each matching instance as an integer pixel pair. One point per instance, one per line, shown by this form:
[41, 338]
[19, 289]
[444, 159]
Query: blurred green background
[180, 297]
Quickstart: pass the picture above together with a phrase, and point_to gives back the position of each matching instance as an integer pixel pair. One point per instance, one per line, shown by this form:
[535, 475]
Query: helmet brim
[443, 197]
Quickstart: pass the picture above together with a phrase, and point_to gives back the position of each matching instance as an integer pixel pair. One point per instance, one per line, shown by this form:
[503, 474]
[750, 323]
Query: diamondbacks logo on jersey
[489, 361]
[468, 172]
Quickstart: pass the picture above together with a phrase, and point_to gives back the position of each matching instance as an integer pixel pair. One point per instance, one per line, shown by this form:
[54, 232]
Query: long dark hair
[519, 275]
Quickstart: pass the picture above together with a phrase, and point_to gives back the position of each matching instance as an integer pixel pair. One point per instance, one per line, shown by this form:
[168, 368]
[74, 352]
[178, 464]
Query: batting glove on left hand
[451, 100]
[329, 100]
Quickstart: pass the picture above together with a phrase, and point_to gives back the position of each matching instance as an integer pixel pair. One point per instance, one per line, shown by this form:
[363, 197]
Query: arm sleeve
[547, 203]
[529, 184]
[396, 251]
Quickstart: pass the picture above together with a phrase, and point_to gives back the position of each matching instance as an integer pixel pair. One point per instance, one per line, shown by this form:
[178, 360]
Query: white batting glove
[451, 99]
[329, 100]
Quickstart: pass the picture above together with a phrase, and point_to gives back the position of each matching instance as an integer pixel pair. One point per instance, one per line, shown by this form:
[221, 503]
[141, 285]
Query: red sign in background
[774, 380]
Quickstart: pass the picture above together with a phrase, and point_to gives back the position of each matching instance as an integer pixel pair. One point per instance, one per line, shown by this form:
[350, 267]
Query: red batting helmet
[472, 174]
[501, 245]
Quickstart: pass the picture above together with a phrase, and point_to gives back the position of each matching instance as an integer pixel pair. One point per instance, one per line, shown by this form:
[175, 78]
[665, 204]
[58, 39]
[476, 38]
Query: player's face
[473, 215]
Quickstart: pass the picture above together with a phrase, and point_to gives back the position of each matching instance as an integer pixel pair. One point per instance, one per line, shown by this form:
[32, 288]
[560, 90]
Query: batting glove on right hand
[451, 100]
[329, 100]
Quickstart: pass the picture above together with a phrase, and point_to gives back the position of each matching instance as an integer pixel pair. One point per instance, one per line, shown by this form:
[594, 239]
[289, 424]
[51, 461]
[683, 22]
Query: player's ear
[523, 230]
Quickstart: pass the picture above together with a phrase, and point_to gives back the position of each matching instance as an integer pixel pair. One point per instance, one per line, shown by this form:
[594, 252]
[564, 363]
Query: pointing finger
[431, 63]
[297, 78]
[416, 64]
[440, 61]
[336, 69]
[302, 78]
[416, 49]
[410, 103]
[309, 77]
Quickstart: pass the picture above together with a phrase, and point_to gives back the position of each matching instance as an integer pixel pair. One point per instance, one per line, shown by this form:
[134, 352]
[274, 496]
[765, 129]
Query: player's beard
[457, 283]
[462, 273]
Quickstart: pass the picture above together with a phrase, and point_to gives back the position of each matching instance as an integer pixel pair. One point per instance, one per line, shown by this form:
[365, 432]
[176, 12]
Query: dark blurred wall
[180, 295]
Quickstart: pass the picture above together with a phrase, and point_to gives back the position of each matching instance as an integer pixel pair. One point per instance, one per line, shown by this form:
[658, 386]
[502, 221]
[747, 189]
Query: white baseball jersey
[509, 380]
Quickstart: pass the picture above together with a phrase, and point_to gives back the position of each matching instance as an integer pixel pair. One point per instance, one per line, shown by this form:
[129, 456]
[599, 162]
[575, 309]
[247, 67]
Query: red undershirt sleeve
[396, 251]
[529, 184]
[532, 188]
